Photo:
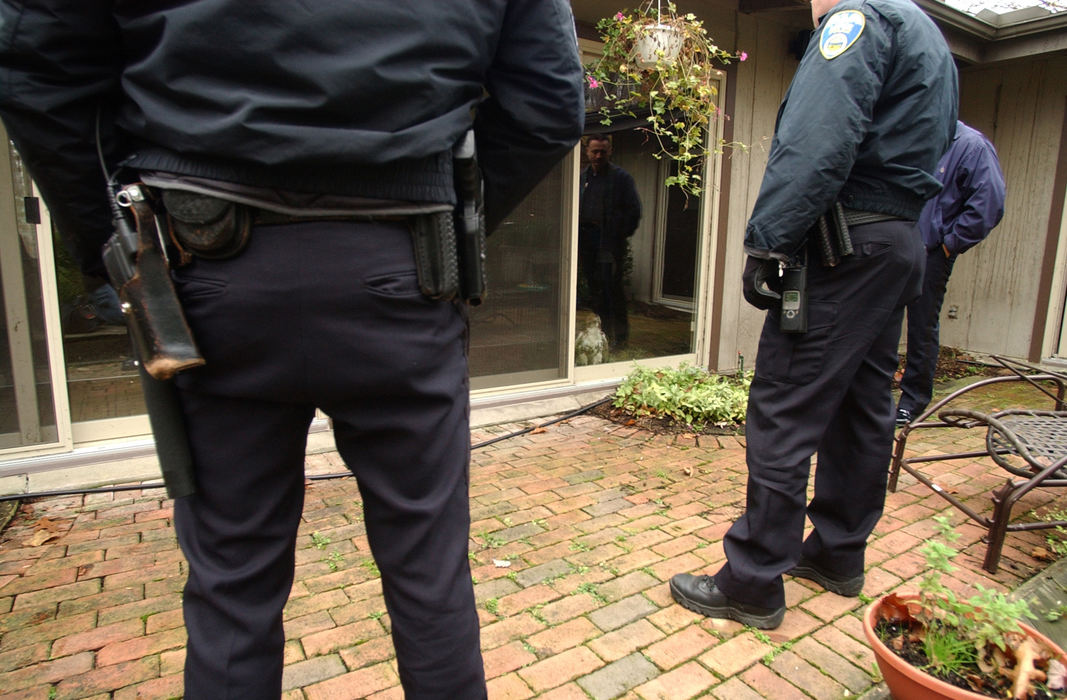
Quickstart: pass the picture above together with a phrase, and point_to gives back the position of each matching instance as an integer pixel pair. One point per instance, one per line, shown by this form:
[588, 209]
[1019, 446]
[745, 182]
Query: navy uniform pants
[325, 315]
[825, 391]
[924, 334]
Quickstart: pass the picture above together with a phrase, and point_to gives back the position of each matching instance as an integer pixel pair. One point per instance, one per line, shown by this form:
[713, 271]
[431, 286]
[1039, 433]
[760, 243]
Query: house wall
[759, 84]
[995, 300]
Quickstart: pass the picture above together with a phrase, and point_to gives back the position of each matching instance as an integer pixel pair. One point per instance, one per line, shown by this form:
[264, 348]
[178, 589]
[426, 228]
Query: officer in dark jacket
[869, 112]
[334, 122]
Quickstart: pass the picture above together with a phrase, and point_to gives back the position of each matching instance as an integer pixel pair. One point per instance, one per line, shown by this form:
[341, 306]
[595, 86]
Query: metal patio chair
[1030, 444]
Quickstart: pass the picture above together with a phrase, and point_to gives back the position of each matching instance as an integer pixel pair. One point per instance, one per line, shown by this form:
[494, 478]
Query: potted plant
[663, 65]
[934, 645]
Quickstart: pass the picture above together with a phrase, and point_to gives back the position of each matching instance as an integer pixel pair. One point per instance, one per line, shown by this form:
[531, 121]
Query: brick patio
[576, 529]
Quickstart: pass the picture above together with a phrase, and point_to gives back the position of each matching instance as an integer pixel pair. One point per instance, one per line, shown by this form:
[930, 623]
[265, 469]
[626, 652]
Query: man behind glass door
[608, 213]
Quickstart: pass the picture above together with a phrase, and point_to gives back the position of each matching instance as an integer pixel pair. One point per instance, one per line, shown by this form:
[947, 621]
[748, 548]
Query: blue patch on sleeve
[840, 32]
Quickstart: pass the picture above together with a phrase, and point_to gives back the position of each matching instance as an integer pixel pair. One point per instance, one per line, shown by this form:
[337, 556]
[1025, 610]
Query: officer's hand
[761, 284]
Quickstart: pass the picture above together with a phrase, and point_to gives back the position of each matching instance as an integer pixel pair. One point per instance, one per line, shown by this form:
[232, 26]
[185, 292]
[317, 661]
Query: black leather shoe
[903, 417]
[848, 586]
[700, 594]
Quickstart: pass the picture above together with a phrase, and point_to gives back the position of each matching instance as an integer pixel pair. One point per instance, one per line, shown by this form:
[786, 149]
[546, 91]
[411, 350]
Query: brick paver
[577, 529]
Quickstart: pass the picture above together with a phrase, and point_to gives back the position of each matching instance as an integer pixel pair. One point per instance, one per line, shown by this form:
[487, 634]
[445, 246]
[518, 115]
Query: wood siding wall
[995, 301]
[760, 85]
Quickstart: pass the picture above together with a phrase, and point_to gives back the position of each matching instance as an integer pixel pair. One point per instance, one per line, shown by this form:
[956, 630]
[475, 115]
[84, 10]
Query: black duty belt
[830, 234]
[858, 217]
[211, 227]
[266, 217]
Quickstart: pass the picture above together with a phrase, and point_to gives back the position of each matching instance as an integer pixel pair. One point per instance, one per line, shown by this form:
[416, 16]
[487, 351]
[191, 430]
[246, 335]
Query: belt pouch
[436, 261]
[206, 226]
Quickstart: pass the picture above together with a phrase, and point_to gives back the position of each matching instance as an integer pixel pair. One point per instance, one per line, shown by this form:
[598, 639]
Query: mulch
[660, 425]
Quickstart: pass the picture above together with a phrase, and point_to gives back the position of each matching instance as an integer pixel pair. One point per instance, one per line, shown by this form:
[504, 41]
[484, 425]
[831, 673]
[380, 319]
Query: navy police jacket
[361, 99]
[867, 116]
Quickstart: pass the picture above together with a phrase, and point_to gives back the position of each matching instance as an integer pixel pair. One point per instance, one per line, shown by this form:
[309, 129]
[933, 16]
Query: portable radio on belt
[794, 313]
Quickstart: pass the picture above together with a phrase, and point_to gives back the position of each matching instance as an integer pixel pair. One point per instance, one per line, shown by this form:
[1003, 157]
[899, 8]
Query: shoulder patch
[840, 32]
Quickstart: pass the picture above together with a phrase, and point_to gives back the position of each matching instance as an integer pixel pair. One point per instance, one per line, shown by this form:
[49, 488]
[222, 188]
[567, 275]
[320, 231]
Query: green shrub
[688, 395]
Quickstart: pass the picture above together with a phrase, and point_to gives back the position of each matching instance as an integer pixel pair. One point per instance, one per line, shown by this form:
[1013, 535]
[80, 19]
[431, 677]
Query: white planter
[657, 38]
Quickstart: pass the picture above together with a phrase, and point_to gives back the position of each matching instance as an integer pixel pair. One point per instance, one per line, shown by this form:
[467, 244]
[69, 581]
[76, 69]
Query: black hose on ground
[314, 477]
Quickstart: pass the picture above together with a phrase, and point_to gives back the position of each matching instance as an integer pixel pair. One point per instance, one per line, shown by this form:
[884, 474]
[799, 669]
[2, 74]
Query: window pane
[102, 381]
[516, 333]
[636, 289]
[27, 407]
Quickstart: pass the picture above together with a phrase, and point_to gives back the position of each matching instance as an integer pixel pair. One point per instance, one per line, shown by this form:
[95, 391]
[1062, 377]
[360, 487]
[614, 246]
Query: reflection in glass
[102, 380]
[608, 213]
[636, 292]
[27, 407]
[517, 332]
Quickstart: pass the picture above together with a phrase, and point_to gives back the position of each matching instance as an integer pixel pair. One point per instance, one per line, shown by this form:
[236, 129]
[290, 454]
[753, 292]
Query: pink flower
[593, 83]
[619, 15]
[743, 56]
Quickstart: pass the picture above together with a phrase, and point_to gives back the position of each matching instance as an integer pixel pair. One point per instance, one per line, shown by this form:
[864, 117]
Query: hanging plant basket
[655, 43]
[662, 67]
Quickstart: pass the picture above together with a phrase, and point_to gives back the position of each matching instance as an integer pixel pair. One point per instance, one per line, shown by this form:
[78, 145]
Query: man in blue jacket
[331, 127]
[968, 208]
[869, 112]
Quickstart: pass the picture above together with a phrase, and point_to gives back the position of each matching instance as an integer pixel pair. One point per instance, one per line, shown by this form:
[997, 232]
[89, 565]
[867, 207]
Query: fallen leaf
[538, 431]
[1041, 554]
[42, 536]
[49, 524]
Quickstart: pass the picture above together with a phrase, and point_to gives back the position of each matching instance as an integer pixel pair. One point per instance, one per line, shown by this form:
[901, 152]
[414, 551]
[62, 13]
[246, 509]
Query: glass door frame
[15, 295]
[704, 295]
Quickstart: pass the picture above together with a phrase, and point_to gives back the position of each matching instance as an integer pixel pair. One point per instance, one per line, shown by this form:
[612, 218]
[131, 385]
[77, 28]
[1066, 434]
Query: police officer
[869, 112]
[334, 124]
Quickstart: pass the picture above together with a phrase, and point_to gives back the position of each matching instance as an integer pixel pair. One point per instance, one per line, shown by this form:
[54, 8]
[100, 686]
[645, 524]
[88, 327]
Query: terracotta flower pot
[905, 682]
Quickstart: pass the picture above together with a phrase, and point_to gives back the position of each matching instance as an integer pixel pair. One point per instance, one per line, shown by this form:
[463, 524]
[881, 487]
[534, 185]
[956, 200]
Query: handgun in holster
[470, 220]
[137, 264]
[450, 247]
